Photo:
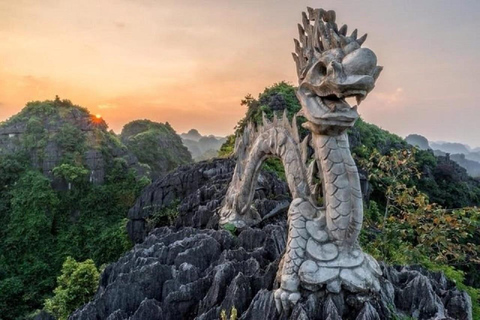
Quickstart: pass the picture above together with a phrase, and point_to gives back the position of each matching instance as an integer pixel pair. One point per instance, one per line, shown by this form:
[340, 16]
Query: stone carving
[322, 249]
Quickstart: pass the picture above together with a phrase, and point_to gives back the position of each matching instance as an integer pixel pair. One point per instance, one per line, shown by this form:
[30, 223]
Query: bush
[75, 286]
[164, 216]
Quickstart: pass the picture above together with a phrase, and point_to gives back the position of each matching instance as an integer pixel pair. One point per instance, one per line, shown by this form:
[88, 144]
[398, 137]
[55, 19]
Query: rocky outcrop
[195, 274]
[54, 132]
[156, 145]
[198, 190]
[419, 141]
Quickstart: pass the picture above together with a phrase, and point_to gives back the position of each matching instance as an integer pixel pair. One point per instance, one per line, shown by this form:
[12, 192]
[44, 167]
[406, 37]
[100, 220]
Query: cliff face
[197, 190]
[57, 132]
[156, 145]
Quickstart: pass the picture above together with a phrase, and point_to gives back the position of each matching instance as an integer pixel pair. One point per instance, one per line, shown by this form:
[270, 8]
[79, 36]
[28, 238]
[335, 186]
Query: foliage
[446, 236]
[46, 108]
[441, 179]
[277, 98]
[414, 230]
[275, 165]
[71, 140]
[372, 137]
[233, 314]
[156, 145]
[227, 148]
[75, 286]
[42, 226]
[230, 227]
[164, 216]
[391, 175]
[70, 173]
[25, 247]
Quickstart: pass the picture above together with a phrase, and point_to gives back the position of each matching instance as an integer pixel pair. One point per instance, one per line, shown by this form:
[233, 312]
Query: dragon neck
[341, 185]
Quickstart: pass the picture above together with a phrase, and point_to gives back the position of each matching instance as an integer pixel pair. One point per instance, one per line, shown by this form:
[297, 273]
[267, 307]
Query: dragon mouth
[337, 110]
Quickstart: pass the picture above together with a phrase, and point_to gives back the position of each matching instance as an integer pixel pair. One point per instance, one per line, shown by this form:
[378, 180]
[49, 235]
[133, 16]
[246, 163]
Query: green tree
[26, 255]
[71, 173]
[76, 285]
[227, 148]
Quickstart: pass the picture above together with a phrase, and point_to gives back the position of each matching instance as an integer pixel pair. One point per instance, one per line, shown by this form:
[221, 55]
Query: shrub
[75, 286]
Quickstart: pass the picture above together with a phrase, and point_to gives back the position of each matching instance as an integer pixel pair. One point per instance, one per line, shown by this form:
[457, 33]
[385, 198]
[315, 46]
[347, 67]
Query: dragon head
[331, 67]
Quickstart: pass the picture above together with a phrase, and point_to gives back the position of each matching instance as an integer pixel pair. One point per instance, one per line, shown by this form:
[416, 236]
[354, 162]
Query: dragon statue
[322, 250]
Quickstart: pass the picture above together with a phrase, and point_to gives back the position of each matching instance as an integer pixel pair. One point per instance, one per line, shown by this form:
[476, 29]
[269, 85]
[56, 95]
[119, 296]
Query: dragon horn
[362, 39]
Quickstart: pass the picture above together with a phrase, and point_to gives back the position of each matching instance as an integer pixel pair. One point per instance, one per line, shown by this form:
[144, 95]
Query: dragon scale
[341, 184]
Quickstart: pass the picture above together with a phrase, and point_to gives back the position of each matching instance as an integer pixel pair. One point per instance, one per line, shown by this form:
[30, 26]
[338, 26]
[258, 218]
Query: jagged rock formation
[198, 190]
[182, 272]
[195, 274]
[156, 145]
[53, 132]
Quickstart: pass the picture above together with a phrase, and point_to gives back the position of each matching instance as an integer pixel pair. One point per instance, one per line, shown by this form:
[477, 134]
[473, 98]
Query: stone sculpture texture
[322, 249]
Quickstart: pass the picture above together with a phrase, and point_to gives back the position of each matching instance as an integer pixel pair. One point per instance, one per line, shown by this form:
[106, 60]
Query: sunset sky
[190, 62]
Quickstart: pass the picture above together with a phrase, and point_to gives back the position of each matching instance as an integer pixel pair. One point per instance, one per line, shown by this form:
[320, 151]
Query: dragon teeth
[359, 100]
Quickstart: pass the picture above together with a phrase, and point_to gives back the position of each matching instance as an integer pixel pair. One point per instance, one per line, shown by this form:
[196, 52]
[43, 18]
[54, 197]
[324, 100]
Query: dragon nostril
[335, 68]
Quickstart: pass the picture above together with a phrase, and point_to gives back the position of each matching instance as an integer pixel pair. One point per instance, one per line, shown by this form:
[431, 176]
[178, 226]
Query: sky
[190, 62]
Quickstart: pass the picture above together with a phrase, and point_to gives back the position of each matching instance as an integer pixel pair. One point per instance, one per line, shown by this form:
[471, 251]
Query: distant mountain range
[202, 147]
[463, 154]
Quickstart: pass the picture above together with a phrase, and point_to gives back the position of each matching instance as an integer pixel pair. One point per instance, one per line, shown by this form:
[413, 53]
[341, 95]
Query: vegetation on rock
[42, 149]
[156, 145]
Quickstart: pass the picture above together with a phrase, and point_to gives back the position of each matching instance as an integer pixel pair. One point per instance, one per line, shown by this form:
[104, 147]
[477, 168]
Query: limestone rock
[49, 131]
[176, 274]
[200, 189]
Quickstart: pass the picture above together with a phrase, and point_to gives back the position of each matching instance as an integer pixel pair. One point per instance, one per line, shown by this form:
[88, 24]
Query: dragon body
[322, 250]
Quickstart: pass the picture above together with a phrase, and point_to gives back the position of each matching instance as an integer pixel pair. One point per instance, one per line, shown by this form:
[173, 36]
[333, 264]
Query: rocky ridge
[54, 132]
[156, 145]
[195, 274]
[462, 154]
[198, 190]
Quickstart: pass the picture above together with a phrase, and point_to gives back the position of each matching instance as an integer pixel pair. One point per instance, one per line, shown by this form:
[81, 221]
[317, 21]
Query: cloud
[389, 98]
